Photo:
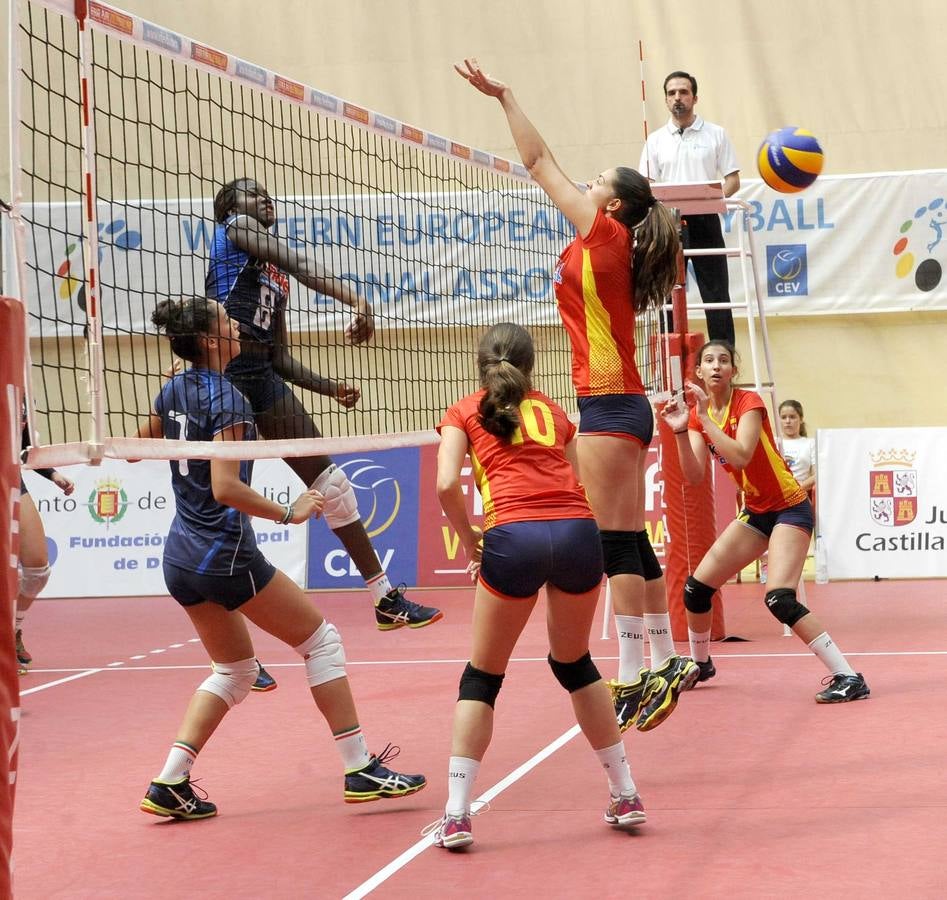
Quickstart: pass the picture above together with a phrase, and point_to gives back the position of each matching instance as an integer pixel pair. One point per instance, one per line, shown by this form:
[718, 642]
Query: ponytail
[505, 362]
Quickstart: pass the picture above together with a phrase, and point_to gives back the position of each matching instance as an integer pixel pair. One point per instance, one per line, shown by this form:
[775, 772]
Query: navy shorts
[229, 591]
[519, 558]
[256, 379]
[617, 414]
[799, 516]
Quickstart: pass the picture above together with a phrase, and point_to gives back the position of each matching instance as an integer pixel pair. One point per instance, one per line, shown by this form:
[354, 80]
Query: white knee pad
[324, 655]
[231, 681]
[341, 506]
[33, 580]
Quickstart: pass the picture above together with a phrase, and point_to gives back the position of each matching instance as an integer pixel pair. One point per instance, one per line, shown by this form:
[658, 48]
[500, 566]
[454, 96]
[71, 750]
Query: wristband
[287, 516]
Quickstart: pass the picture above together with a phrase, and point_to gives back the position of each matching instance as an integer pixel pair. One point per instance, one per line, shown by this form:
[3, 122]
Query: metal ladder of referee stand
[706, 197]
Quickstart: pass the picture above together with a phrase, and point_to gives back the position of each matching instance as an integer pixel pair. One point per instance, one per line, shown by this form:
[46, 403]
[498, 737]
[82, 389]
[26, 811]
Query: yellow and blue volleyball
[789, 159]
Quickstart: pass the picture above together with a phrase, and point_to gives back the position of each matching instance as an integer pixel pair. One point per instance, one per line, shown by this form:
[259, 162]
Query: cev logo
[786, 270]
[115, 233]
[369, 478]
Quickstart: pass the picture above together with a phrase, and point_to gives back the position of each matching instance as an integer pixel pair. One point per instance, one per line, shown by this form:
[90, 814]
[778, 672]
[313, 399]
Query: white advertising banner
[858, 243]
[106, 538]
[882, 502]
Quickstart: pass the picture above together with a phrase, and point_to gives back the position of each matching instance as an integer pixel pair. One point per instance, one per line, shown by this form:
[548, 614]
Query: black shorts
[520, 557]
[256, 379]
[229, 591]
[799, 516]
[617, 414]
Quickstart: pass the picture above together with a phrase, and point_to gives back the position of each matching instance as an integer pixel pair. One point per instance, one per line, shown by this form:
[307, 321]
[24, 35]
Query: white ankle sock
[379, 587]
[700, 645]
[352, 748]
[658, 627]
[461, 774]
[630, 647]
[178, 764]
[616, 767]
[824, 647]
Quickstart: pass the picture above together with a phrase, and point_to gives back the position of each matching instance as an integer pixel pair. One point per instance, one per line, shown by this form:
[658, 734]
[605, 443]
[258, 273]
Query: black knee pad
[698, 597]
[649, 561]
[478, 685]
[620, 551]
[783, 604]
[576, 675]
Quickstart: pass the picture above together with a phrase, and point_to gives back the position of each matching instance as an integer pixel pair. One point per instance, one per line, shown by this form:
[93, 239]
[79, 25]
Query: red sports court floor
[751, 788]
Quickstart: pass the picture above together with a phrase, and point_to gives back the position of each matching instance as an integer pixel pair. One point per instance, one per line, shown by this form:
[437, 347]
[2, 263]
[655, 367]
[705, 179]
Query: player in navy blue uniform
[214, 569]
[248, 273]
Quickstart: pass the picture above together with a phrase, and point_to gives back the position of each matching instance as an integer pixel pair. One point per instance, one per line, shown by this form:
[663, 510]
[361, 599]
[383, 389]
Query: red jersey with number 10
[766, 482]
[595, 296]
[527, 478]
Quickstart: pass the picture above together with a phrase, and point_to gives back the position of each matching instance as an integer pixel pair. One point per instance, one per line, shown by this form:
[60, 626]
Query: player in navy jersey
[249, 273]
[214, 569]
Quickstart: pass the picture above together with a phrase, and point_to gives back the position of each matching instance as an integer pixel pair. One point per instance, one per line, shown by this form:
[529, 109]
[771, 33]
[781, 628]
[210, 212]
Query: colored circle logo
[369, 478]
[920, 237]
[787, 265]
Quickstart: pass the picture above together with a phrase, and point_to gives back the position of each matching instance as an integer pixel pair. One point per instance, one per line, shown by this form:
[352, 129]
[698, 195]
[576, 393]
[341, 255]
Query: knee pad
[576, 675]
[649, 560]
[324, 655]
[33, 579]
[620, 551]
[231, 681]
[698, 597]
[341, 507]
[475, 684]
[783, 604]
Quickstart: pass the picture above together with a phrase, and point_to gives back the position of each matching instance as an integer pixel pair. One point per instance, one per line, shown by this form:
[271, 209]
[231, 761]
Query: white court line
[382, 875]
[42, 687]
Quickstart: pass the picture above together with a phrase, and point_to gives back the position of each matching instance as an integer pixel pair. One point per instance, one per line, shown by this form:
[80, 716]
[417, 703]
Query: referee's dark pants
[713, 280]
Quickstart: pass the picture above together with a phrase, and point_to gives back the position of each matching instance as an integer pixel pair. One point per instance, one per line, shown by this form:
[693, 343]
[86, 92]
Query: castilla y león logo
[893, 487]
[922, 245]
[116, 233]
[108, 502]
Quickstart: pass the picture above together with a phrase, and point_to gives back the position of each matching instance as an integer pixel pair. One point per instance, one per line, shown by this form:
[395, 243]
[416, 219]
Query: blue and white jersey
[206, 536]
[253, 292]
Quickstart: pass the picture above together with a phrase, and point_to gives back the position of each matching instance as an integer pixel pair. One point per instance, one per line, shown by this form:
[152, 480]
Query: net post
[12, 325]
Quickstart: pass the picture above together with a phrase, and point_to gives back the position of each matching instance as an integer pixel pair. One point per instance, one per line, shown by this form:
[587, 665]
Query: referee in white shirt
[690, 149]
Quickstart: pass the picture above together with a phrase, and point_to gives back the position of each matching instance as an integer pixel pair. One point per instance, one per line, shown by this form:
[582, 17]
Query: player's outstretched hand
[346, 395]
[676, 413]
[362, 326]
[66, 485]
[306, 505]
[697, 397]
[479, 79]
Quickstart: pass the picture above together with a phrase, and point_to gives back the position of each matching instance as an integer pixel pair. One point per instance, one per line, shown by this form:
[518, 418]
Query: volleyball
[789, 159]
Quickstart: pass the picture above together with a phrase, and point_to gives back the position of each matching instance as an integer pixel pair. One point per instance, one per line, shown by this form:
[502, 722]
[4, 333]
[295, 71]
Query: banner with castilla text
[882, 509]
[13, 327]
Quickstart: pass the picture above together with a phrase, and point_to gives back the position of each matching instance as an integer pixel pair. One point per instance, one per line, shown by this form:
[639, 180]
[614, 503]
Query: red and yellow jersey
[527, 478]
[595, 296]
[767, 483]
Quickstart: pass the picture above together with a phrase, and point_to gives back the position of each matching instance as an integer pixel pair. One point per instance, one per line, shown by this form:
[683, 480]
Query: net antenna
[123, 132]
[644, 111]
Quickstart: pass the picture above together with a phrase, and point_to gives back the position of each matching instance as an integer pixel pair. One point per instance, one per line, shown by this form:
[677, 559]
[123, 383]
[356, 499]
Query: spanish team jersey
[253, 292]
[766, 482]
[206, 536]
[595, 296]
[527, 478]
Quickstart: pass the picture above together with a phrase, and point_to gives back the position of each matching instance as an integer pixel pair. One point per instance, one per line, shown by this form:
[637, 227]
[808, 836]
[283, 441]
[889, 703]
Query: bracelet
[288, 515]
[682, 431]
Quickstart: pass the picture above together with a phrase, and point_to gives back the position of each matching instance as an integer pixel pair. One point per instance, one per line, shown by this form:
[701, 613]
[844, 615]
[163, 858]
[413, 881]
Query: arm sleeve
[726, 156]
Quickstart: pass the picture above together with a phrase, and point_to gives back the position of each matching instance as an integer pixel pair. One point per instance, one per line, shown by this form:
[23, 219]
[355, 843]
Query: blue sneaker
[377, 782]
[264, 681]
[394, 610]
[177, 801]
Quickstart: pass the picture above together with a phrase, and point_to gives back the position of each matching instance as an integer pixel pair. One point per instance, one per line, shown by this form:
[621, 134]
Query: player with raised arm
[249, 274]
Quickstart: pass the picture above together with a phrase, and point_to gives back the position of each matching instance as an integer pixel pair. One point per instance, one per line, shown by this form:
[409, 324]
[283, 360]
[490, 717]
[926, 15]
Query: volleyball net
[124, 132]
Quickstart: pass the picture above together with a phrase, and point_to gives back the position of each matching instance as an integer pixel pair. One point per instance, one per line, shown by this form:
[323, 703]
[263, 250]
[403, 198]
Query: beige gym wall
[864, 75]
